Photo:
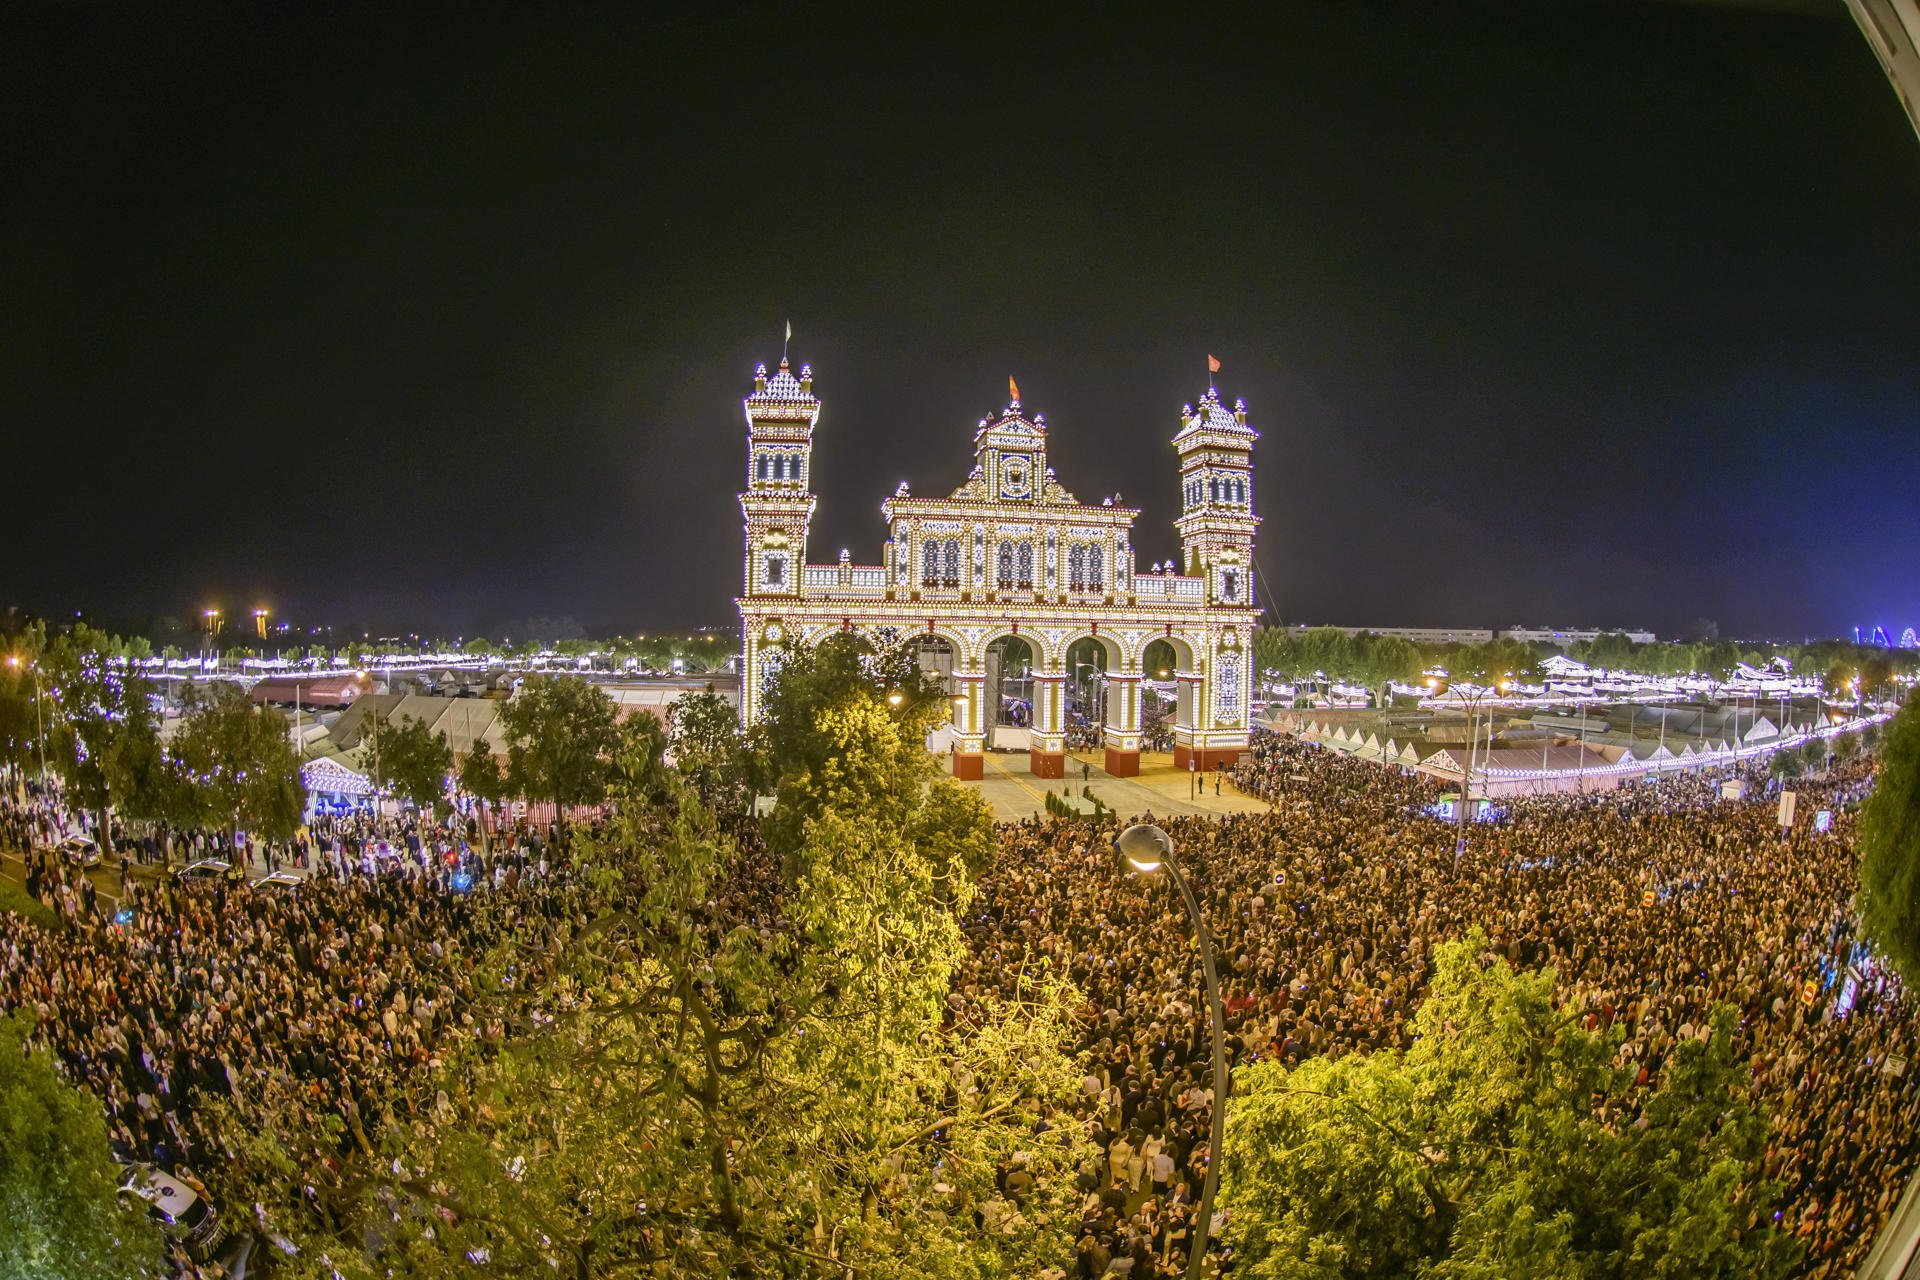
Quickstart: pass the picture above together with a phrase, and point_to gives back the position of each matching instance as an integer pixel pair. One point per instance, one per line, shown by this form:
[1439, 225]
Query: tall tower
[1216, 521]
[778, 508]
[778, 504]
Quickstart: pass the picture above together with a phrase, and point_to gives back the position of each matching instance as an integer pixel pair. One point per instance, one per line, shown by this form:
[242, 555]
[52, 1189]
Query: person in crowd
[1652, 904]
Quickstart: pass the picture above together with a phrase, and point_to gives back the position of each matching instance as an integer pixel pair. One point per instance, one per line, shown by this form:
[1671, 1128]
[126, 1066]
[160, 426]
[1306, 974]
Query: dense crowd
[334, 997]
[1651, 905]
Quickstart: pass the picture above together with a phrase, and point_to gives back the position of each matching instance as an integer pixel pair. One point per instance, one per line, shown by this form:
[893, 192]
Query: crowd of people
[1652, 904]
[333, 997]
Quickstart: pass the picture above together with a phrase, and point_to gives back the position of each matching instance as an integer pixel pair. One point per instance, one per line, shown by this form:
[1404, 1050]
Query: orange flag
[1013, 388]
[1213, 364]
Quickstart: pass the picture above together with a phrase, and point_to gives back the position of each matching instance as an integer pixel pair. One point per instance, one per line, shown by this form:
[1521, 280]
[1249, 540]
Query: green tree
[726, 1092]
[102, 732]
[560, 733]
[708, 745]
[237, 764]
[414, 760]
[482, 778]
[1392, 659]
[1502, 1144]
[63, 1217]
[20, 717]
[1889, 840]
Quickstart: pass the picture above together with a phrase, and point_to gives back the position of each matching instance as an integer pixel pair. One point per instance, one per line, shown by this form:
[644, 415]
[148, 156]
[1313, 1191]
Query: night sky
[1547, 312]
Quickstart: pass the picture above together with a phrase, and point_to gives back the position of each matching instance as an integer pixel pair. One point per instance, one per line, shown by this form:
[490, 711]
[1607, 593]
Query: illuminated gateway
[1011, 554]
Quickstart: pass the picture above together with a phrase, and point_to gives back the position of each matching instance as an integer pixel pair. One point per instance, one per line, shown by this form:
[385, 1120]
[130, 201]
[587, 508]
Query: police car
[182, 1212]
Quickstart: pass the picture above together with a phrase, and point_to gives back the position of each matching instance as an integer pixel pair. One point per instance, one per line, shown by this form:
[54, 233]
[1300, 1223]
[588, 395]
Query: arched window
[1005, 575]
[1026, 564]
[1076, 569]
[760, 467]
[929, 563]
[1093, 569]
[953, 562]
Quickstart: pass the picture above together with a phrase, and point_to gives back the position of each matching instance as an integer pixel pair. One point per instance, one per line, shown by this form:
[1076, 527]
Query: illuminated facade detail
[1011, 553]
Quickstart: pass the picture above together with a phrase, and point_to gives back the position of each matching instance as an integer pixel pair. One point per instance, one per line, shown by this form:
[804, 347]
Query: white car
[278, 880]
[181, 1211]
[80, 850]
[205, 867]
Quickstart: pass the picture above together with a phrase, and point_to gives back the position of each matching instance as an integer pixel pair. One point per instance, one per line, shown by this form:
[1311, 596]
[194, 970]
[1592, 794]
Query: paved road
[1015, 794]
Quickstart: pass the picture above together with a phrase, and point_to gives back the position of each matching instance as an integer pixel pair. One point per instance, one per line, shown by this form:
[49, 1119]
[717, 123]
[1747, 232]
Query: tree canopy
[414, 760]
[1510, 1140]
[560, 736]
[727, 1068]
[236, 764]
[102, 734]
[61, 1217]
[1889, 841]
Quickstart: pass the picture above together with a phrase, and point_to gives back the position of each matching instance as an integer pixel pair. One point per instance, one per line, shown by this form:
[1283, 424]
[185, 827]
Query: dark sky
[1547, 312]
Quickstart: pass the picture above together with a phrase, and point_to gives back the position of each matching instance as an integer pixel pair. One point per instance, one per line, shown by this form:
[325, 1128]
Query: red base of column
[1123, 764]
[1206, 759]
[1047, 764]
[969, 766]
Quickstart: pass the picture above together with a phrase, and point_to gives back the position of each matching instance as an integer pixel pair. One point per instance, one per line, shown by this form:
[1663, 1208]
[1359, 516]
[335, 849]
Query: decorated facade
[1011, 553]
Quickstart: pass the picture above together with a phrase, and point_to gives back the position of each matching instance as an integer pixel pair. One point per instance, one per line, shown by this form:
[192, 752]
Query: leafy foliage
[62, 1218]
[1889, 841]
[708, 745]
[1504, 1143]
[20, 717]
[414, 760]
[724, 1071]
[560, 735]
[235, 764]
[102, 733]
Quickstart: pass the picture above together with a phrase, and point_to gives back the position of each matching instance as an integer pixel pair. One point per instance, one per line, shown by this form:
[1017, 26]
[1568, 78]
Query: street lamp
[1146, 849]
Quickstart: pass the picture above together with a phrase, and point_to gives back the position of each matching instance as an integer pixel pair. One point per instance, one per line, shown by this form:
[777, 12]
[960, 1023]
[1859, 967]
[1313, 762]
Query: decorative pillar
[969, 725]
[1190, 717]
[1047, 755]
[1123, 723]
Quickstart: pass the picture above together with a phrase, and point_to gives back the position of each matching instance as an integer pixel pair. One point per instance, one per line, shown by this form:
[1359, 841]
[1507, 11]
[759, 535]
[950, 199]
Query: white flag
[789, 331]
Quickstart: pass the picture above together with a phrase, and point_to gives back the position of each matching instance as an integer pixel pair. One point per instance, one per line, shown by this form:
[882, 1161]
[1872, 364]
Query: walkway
[1016, 794]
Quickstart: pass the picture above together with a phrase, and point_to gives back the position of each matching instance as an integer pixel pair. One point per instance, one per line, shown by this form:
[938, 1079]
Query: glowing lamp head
[895, 698]
[1144, 847]
[13, 659]
[1432, 683]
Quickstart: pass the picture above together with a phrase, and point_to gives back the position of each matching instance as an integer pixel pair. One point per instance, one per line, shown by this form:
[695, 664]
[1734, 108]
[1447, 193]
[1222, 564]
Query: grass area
[13, 898]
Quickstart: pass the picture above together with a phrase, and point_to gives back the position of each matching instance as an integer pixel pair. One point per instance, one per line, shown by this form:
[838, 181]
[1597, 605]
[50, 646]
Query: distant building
[1564, 636]
[1422, 635]
[1012, 556]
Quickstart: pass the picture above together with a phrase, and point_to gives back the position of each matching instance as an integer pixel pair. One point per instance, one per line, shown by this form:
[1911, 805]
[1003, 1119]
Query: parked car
[206, 867]
[80, 850]
[182, 1212]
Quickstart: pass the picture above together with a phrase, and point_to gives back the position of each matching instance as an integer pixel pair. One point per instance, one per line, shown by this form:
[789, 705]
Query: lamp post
[1146, 849]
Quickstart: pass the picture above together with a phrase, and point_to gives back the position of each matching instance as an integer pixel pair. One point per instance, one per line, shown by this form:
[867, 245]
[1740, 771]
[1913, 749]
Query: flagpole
[785, 341]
